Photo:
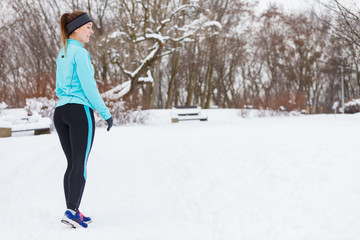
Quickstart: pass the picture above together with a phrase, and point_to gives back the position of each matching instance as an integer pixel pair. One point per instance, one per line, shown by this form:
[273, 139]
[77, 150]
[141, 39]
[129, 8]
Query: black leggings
[75, 126]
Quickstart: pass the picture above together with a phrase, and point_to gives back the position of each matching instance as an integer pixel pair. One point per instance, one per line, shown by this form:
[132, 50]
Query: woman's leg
[80, 121]
[62, 130]
[81, 135]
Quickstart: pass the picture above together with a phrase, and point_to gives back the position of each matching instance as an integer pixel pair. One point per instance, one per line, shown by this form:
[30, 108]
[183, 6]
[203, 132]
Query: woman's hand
[110, 123]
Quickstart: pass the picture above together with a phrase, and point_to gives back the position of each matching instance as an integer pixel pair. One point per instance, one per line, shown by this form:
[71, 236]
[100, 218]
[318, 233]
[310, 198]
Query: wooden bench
[5, 129]
[24, 124]
[187, 113]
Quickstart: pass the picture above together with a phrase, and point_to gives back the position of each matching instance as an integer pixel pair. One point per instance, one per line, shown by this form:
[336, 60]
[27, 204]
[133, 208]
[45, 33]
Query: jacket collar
[75, 42]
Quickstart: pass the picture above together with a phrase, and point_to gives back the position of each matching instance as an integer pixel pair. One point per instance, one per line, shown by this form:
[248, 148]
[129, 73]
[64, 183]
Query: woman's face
[83, 33]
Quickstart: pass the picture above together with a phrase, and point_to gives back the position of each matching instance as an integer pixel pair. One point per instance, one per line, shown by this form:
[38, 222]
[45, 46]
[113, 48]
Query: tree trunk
[156, 84]
[172, 83]
[191, 87]
[210, 87]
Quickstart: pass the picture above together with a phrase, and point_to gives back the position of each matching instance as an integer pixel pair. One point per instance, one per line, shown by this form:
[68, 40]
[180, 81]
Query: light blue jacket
[75, 81]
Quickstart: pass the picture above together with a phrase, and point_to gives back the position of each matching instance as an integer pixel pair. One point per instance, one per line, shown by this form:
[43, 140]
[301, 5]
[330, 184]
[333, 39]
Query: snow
[5, 124]
[139, 39]
[2, 106]
[227, 178]
[213, 23]
[155, 36]
[18, 120]
[116, 34]
[165, 21]
[41, 123]
[117, 92]
[148, 78]
[353, 102]
[13, 113]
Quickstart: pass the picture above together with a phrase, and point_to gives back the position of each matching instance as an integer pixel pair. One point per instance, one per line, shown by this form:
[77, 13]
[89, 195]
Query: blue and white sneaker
[75, 221]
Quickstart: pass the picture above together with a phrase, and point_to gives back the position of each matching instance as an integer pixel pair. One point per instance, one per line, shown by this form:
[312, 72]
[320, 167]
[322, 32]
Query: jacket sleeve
[85, 73]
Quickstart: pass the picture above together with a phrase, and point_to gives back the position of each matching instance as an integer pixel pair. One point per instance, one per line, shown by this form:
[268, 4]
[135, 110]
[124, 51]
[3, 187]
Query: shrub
[352, 106]
[42, 105]
[3, 106]
[120, 113]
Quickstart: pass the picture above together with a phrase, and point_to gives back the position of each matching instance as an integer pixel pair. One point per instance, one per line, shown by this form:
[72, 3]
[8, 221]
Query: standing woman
[74, 116]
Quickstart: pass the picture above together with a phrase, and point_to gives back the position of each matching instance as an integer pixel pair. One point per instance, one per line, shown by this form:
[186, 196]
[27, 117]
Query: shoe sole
[71, 223]
[68, 223]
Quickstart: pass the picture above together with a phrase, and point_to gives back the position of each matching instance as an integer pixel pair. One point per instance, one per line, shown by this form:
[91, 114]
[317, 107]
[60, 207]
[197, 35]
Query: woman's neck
[75, 38]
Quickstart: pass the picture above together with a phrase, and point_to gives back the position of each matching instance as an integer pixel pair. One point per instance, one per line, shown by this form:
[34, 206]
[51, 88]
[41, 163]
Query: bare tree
[343, 21]
[346, 24]
[145, 31]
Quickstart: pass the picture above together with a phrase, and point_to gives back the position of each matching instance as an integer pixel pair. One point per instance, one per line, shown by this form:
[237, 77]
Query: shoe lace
[81, 215]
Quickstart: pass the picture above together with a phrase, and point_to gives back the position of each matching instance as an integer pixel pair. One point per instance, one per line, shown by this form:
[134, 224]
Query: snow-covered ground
[225, 179]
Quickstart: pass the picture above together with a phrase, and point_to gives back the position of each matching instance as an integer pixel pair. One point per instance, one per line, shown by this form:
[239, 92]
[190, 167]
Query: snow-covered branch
[117, 92]
[148, 78]
[213, 23]
[151, 36]
[170, 51]
[164, 22]
[181, 8]
[145, 62]
[181, 38]
[146, 31]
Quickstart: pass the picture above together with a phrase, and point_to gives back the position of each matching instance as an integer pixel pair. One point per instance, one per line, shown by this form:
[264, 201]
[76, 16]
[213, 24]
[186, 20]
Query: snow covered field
[225, 179]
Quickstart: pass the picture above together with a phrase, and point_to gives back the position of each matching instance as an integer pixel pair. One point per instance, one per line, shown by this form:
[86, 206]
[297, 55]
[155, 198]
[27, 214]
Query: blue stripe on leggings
[90, 125]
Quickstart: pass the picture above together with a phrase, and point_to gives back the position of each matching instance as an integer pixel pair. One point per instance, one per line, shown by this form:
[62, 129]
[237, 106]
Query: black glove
[110, 123]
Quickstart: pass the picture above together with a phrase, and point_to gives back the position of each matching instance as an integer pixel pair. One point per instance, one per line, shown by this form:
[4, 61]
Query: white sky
[294, 5]
[291, 5]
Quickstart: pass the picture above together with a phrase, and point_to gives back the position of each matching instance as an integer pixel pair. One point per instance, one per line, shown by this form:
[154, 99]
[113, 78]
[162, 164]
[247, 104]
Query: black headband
[78, 22]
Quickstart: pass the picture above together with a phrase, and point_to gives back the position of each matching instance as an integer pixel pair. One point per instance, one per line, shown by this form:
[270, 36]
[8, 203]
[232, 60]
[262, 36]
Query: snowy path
[228, 178]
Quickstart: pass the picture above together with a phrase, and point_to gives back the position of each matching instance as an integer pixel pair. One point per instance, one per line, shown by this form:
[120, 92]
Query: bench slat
[187, 113]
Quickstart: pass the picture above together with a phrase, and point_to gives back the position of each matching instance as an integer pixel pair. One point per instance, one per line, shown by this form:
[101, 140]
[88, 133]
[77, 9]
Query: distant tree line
[179, 52]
